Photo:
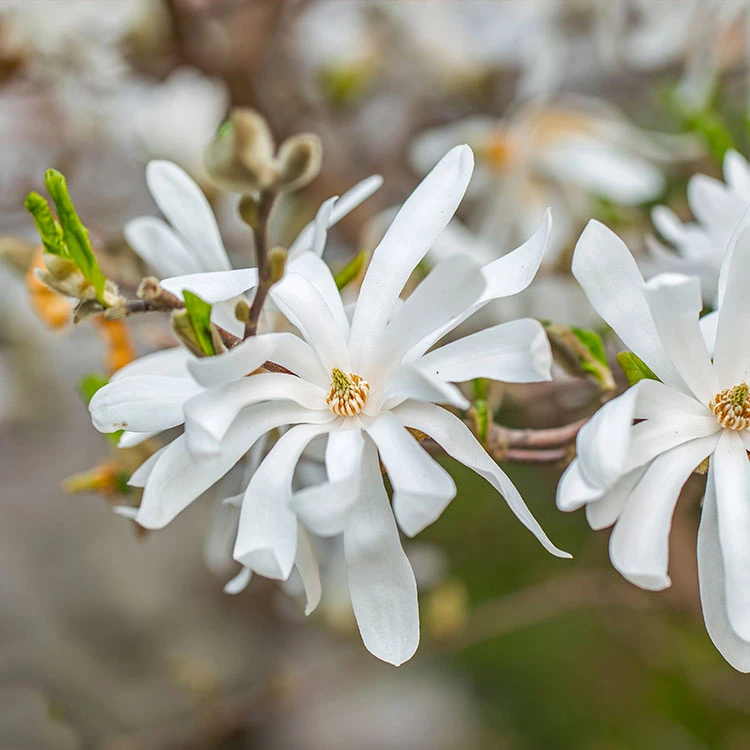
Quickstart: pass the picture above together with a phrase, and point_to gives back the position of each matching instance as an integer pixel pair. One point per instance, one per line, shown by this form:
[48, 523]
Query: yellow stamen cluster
[731, 407]
[348, 393]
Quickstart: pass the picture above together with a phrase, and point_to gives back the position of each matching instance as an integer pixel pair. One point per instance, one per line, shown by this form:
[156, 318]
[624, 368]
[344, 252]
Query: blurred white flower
[563, 154]
[361, 383]
[631, 475]
[175, 118]
[718, 208]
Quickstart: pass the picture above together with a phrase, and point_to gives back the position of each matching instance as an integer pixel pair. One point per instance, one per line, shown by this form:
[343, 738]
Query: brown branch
[501, 439]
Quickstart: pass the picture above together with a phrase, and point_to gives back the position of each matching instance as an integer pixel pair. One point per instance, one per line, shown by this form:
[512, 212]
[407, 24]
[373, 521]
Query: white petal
[639, 545]
[381, 582]
[306, 563]
[732, 482]
[177, 478]
[343, 206]
[211, 413]
[573, 491]
[131, 439]
[731, 355]
[319, 275]
[324, 508]
[675, 303]
[142, 403]
[320, 226]
[306, 308]
[140, 476]
[709, 325]
[457, 441]
[610, 277]
[215, 286]
[514, 352]
[417, 225]
[602, 169]
[181, 200]
[284, 349]
[737, 172]
[159, 247]
[169, 362]
[606, 510]
[422, 489]
[603, 442]
[267, 535]
[707, 197]
[445, 294]
[712, 581]
[513, 272]
[408, 382]
[654, 436]
[239, 583]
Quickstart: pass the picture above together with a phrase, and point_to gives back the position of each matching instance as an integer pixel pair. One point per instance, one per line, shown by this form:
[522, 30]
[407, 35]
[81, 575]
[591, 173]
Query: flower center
[348, 393]
[732, 407]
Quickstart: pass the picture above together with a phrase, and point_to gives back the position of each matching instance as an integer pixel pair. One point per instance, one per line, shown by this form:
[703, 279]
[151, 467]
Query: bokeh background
[114, 639]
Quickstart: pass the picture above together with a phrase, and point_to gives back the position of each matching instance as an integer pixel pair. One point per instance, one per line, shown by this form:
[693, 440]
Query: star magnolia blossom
[558, 154]
[718, 208]
[630, 474]
[361, 384]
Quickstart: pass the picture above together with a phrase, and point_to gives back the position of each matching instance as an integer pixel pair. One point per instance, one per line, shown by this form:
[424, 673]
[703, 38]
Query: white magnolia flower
[560, 154]
[190, 254]
[361, 383]
[631, 474]
[718, 208]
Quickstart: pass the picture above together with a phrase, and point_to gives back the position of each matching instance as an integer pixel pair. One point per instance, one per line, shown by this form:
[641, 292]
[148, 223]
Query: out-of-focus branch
[262, 250]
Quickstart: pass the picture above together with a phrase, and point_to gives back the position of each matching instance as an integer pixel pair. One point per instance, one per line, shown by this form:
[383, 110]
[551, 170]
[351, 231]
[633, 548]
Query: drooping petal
[284, 349]
[451, 287]
[422, 489]
[159, 247]
[142, 403]
[305, 307]
[239, 583]
[606, 510]
[267, 534]
[209, 415]
[731, 355]
[417, 225]
[381, 582]
[214, 286]
[573, 491]
[514, 352]
[610, 277]
[181, 200]
[319, 275]
[639, 545]
[712, 580]
[131, 439]
[675, 303]
[324, 508]
[306, 563]
[732, 483]
[457, 441]
[140, 476]
[343, 206]
[178, 478]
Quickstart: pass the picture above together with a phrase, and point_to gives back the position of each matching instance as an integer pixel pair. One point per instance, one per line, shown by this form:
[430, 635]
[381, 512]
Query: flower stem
[262, 247]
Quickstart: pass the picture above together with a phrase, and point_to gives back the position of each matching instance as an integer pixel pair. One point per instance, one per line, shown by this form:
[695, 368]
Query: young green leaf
[46, 224]
[580, 352]
[199, 312]
[634, 367]
[351, 270]
[75, 234]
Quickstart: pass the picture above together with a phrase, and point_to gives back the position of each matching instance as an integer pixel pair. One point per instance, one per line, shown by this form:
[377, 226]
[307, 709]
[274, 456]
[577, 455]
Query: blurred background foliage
[119, 640]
